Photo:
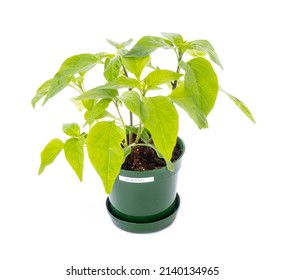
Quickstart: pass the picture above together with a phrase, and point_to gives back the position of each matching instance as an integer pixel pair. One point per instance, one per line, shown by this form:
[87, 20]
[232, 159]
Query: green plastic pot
[145, 201]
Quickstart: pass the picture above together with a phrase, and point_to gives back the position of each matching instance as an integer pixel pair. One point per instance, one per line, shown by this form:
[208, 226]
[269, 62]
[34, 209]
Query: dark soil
[145, 158]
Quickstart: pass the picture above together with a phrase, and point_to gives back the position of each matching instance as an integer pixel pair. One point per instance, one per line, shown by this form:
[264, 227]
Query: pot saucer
[144, 227]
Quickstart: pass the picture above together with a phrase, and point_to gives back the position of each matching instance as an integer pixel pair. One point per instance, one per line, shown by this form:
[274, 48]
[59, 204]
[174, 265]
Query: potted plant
[137, 160]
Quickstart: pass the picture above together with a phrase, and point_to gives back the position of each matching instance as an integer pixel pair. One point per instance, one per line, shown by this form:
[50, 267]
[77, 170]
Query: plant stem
[179, 58]
[130, 113]
[123, 124]
[174, 84]
[138, 133]
[75, 86]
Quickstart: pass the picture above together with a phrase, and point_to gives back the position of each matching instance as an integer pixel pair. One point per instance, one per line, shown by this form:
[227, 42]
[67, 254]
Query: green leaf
[120, 45]
[160, 117]
[41, 92]
[177, 39]
[135, 65]
[241, 105]
[121, 82]
[145, 136]
[127, 151]
[88, 103]
[132, 101]
[103, 115]
[188, 103]
[201, 83]
[159, 77]
[71, 66]
[132, 129]
[170, 165]
[148, 44]
[204, 46]
[59, 82]
[80, 63]
[97, 93]
[78, 103]
[97, 110]
[49, 153]
[71, 129]
[106, 114]
[112, 68]
[105, 151]
[74, 154]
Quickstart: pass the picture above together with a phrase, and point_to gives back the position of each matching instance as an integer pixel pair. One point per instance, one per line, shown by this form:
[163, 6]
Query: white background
[231, 183]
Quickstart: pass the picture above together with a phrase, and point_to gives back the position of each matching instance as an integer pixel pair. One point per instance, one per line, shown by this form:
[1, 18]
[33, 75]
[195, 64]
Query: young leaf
[241, 105]
[49, 153]
[106, 114]
[160, 117]
[78, 104]
[183, 99]
[178, 41]
[97, 93]
[121, 82]
[120, 45]
[41, 92]
[174, 37]
[148, 44]
[105, 151]
[71, 129]
[97, 110]
[145, 136]
[103, 115]
[204, 46]
[132, 129]
[74, 154]
[132, 101]
[159, 77]
[135, 65]
[88, 103]
[126, 151]
[112, 68]
[72, 65]
[201, 83]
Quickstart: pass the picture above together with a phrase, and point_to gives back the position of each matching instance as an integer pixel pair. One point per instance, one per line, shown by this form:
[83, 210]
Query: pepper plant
[147, 91]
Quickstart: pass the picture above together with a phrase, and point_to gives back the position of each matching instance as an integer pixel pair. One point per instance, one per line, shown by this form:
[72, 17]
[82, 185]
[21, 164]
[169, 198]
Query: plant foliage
[148, 92]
